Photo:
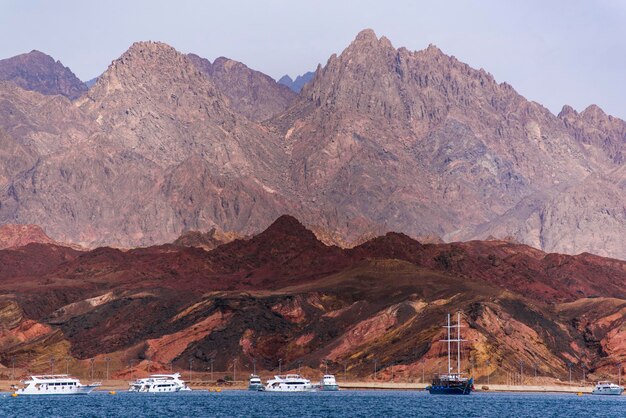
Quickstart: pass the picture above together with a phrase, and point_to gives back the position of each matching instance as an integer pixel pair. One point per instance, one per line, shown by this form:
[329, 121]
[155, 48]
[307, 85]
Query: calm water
[321, 404]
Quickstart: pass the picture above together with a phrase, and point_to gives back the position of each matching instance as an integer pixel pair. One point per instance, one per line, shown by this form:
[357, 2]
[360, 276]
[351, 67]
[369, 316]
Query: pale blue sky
[554, 52]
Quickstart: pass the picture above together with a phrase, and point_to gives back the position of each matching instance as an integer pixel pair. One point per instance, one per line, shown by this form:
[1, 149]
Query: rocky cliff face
[39, 72]
[251, 93]
[380, 139]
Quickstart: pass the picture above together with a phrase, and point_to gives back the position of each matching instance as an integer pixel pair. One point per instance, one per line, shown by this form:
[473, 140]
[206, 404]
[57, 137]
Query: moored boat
[255, 383]
[607, 388]
[289, 383]
[55, 384]
[159, 383]
[452, 383]
[328, 383]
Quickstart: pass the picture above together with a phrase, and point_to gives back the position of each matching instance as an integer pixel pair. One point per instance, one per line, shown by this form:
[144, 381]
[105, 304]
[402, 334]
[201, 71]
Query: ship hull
[452, 388]
[81, 390]
[612, 391]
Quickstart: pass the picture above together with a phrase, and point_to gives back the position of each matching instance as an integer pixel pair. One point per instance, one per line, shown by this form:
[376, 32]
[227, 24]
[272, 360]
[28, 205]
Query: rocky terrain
[39, 72]
[251, 93]
[283, 294]
[381, 139]
[20, 235]
[205, 240]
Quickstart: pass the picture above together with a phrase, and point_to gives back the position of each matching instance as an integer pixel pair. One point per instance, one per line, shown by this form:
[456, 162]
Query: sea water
[318, 404]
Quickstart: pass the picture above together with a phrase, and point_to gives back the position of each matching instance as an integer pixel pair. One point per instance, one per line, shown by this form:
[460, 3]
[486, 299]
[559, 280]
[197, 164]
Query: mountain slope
[284, 295]
[251, 93]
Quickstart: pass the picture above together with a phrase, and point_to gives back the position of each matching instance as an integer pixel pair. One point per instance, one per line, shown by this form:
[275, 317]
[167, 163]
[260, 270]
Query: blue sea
[320, 404]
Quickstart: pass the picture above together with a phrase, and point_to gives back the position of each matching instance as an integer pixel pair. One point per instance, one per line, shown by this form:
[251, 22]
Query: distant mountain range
[283, 294]
[297, 84]
[380, 139]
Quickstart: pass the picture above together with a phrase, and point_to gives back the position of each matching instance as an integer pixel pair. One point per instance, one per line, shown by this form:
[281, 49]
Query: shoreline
[122, 386]
[478, 386]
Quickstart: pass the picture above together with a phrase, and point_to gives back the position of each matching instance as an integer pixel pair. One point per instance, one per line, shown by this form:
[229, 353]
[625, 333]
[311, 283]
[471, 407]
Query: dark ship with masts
[452, 383]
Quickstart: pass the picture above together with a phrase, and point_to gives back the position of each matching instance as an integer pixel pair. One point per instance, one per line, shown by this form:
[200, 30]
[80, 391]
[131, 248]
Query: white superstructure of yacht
[159, 383]
[55, 384]
[289, 383]
[328, 383]
[255, 383]
[607, 388]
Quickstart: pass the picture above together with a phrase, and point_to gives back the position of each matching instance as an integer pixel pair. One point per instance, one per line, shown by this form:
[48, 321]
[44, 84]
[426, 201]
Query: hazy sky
[553, 52]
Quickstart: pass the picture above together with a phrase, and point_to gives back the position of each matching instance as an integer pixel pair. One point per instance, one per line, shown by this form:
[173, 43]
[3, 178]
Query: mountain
[297, 84]
[152, 143]
[39, 72]
[381, 139]
[251, 93]
[284, 294]
[463, 156]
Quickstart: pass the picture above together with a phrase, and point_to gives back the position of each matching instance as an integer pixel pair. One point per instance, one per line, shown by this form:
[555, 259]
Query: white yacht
[55, 384]
[159, 383]
[607, 388]
[289, 383]
[328, 383]
[255, 383]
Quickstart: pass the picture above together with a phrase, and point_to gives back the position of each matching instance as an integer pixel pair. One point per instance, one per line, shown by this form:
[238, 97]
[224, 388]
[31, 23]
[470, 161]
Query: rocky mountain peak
[367, 42]
[594, 126]
[156, 60]
[162, 77]
[40, 72]
[366, 35]
[567, 111]
[288, 225]
[593, 113]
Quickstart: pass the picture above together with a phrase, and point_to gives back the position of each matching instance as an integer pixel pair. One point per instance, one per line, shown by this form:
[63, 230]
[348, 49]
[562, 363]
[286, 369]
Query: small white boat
[607, 388]
[255, 383]
[55, 384]
[329, 383]
[159, 383]
[289, 383]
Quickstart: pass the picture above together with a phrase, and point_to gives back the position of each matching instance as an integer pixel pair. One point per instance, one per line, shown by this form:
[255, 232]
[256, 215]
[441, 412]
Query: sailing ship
[452, 383]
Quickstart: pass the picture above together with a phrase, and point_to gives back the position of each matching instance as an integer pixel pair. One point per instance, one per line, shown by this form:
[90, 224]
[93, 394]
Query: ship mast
[457, 340]
[458, 344]
[449, 340]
